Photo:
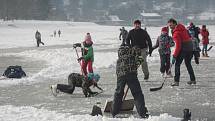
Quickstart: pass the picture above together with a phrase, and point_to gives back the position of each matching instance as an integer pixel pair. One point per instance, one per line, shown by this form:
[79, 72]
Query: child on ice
[164, 42]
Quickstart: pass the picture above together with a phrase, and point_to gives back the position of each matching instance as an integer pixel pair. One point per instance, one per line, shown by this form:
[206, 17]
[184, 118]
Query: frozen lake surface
[30, 98]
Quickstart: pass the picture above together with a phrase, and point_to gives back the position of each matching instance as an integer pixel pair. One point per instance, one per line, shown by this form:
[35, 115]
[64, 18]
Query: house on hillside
[151, 19]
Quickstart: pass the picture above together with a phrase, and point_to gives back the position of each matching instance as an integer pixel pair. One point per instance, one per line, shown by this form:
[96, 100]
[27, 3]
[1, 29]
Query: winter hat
[96, 77]
[191, 23]
[93, 76]
[165, 29]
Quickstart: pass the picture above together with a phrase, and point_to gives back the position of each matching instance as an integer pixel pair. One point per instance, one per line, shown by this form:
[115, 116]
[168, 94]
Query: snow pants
[134, 85]
[165, 63]
[87, 65]
[187, 57]
[66, 88]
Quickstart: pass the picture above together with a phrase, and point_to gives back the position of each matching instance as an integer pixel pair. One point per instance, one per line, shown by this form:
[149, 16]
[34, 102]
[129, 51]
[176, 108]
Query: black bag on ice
[14, 72]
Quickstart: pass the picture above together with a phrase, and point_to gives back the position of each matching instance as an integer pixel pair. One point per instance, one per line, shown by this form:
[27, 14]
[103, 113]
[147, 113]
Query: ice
[57, 59]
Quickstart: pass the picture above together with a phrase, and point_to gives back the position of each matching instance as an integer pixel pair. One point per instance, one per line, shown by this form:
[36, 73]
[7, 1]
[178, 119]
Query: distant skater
[38, 38]
[59, 33]
[55, 33]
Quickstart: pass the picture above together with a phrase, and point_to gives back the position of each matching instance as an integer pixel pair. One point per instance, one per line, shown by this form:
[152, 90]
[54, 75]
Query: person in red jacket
[183, 51]
[205, 40]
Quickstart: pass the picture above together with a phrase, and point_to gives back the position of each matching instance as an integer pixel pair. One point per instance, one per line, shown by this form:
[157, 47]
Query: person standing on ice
[183, 51]
[59, 32]
[194, 30]
[123, 34]
[164, 42]
[38, 38]
[196, 49]
[139, 37]
[205, 40]
[129, 59]
[78, 80]
[55, 33]
[87, 55]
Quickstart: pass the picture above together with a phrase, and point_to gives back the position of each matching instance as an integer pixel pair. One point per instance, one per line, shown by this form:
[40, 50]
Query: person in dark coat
[139, 37]
[78, 80]
[59, 32]
[183, 51]
[123, 34]
[194, 30]
[128, 62]
[38, 38]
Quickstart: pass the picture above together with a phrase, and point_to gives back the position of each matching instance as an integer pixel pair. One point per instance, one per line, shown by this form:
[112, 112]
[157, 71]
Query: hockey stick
[160, 87]
[82, 72]
[209, 48]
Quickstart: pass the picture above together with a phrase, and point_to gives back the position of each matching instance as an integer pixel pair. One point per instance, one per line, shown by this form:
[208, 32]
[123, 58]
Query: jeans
[204, 49]
[165, 63]
[186, 56]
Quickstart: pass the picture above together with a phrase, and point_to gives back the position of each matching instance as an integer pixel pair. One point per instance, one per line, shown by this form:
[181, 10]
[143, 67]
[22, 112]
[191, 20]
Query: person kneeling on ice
[78, 80]
[164, 42]
[129, 59]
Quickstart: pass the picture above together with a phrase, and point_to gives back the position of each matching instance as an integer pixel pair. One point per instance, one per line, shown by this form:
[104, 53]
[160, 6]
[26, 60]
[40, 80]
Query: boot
[197, 60]
[146, 77]
[169, 75]
[54, 90]
[175, 83]
[206, 55]
[191, 82]
[163, 74]
[203, 54]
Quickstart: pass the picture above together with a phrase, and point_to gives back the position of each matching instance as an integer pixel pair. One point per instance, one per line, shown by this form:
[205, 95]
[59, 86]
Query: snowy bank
[26, 113]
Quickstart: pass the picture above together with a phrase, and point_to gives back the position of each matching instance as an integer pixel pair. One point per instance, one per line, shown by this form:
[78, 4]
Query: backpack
[14, 72]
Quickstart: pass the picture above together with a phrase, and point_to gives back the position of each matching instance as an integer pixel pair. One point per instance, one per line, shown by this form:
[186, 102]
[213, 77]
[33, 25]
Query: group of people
[136, 46]
[55, 33]
[85, 80]
[38, 37]
[186, 42]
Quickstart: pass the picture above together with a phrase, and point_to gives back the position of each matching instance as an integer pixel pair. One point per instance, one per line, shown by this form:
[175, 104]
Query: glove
[76, 45]
[79, 59]
[93, 94]
[173, 60]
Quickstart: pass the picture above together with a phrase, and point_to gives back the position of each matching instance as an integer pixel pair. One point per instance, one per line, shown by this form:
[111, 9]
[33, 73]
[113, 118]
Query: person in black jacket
[123, 34]
[38, 38]
[139, 38]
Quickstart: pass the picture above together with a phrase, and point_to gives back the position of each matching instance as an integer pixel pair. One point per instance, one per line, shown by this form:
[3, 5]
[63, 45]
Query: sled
[127, 105]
